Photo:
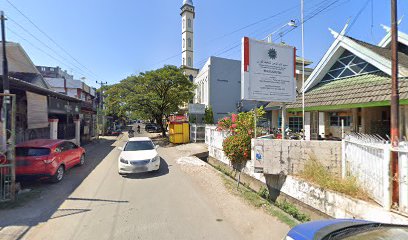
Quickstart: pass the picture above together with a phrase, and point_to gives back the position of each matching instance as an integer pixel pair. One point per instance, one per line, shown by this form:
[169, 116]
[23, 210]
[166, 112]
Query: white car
[138, 155]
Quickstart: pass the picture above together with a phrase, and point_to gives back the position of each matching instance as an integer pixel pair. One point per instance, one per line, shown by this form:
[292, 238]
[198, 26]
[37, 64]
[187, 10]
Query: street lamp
[291, 23]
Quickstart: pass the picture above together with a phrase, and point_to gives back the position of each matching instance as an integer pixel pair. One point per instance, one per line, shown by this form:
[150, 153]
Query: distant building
[64, 83]
[36, 102]
[219, 86]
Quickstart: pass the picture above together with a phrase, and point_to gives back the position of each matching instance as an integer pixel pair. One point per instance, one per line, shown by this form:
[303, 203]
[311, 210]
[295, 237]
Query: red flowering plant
[237, 146]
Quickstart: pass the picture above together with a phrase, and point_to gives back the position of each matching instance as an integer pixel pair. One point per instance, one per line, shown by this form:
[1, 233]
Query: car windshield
[378, 233]
[139, 146]
[32, 152]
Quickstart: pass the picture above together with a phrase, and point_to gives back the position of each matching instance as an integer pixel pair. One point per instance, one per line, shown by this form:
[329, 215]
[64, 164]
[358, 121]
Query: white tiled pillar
[53, 128]
[307, 126]
[77, 131]
[321, 124]
[275, 119]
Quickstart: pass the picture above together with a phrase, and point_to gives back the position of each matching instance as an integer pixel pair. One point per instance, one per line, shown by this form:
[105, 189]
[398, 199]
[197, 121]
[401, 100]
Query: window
[295, 124]
[189, 61]
[139, 146]
[32, 152]
[189, 23]
[335, 121]
[184, 43]
[184, 61]
[189, 42]
[348, 65]
[184, 23]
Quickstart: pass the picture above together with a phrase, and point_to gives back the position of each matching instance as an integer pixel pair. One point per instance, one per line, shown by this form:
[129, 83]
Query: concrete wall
[290, 156]
[296, 190]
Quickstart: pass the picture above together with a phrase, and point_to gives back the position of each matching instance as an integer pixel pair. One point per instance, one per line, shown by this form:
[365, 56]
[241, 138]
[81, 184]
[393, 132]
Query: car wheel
[59, 174]
[82, 160]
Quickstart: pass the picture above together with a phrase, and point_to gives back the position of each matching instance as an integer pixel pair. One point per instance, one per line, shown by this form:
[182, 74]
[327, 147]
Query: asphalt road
[95, 202]
[161, 205]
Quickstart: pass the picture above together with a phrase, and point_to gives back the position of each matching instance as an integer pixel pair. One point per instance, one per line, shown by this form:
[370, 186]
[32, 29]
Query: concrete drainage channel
[299, 211]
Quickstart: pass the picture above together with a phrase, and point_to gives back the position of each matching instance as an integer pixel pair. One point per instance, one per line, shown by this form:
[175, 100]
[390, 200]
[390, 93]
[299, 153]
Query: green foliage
[237, 148]
[292, 210]
[316, 173]
[151, 95]
[193, 119]
[209, 115]
[242, 123]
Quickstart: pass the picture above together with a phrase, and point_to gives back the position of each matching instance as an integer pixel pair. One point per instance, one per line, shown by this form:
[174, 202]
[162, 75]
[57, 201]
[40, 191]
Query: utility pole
[302, 11]
[100, 106]
[6, 89]
[394, 102]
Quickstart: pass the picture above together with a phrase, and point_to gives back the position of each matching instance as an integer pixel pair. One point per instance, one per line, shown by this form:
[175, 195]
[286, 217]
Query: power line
[51, 39]
[39, 49]
[319, 8]
[47, 46]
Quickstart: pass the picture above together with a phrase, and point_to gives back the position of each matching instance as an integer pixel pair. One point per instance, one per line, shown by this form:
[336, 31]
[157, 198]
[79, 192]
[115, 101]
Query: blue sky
[114, 39]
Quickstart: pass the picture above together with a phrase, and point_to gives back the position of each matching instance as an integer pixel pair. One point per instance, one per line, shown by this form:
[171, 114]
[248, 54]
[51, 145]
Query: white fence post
[386, 178]
[343, 158]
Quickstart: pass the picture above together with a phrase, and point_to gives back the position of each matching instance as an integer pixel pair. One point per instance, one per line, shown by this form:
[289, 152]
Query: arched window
[189, 61]
[189, 23]
[184, 43]
[189, 42]
[184, 61]
[184, 23]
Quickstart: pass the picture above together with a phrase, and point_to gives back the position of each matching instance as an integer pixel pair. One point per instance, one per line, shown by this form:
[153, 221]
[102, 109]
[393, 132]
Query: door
[72, 153]
[314, 125]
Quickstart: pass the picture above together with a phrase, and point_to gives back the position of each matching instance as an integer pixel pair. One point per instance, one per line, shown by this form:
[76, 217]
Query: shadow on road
[41, 208]
[163, 170]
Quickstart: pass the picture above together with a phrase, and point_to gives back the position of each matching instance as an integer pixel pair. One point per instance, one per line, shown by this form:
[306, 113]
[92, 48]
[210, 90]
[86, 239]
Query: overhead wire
[318, 9]
[51, 39]
[40, 49]
[44, 44]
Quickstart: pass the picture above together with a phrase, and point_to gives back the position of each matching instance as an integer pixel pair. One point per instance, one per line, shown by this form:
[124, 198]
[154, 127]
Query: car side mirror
[120, 148]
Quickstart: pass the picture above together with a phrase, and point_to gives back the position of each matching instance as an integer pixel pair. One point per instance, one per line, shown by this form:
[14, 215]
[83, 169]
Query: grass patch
[279, 209]
[316, 173]
[21, 199]
[257, 201]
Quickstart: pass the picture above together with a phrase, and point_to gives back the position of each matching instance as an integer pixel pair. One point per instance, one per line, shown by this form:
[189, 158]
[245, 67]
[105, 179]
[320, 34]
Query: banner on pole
[268, 71]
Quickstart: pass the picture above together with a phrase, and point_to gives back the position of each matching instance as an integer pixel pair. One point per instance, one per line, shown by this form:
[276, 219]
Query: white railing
[369, 163]
[197, 132]
[368, 158]
[214, 139]
[403, 178]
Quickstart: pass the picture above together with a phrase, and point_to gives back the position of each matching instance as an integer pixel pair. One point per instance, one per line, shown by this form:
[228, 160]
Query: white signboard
[196, 108]
[268, 71]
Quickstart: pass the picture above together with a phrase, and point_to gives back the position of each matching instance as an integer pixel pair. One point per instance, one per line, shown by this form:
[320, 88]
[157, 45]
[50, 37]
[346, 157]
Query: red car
[47, 158]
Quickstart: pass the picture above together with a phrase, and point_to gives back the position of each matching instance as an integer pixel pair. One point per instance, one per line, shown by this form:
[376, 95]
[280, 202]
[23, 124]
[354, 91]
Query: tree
[209, 115]
[154, 94]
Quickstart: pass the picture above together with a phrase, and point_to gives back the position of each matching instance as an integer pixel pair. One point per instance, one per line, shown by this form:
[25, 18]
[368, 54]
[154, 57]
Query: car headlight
[124, 161]
[155, 159]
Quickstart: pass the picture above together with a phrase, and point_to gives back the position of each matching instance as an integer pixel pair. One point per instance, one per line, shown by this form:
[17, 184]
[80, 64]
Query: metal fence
[197, 132]
[368, 158]
[7, 146]
[403, 177]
